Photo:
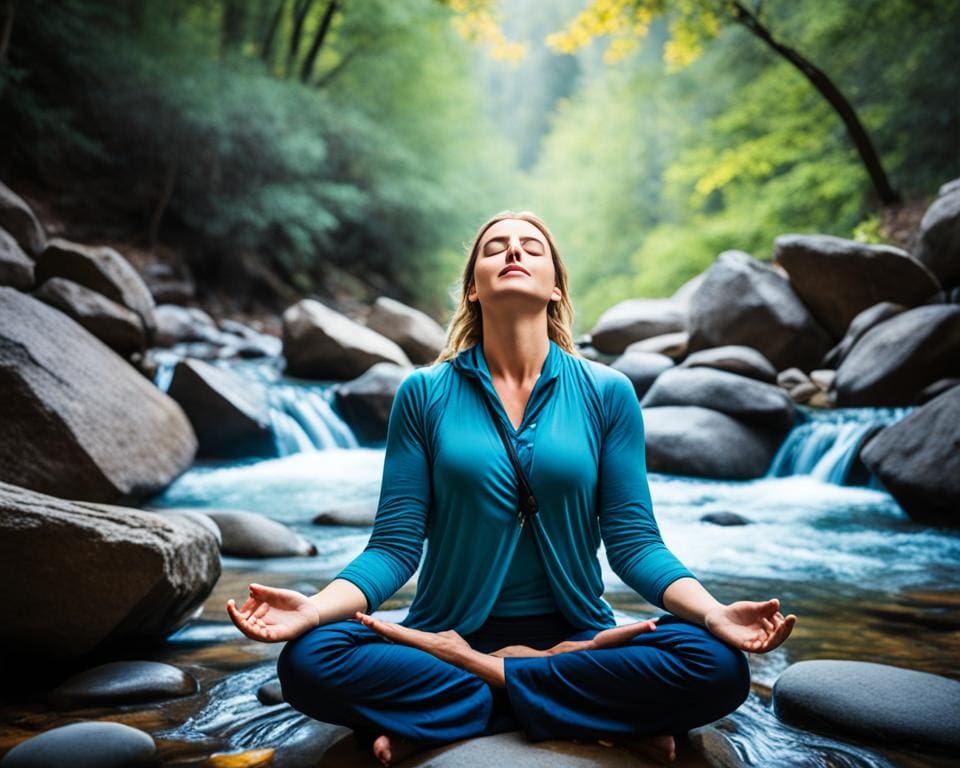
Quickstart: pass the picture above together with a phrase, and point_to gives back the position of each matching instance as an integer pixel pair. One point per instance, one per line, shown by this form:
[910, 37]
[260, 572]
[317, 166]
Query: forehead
[508, 227]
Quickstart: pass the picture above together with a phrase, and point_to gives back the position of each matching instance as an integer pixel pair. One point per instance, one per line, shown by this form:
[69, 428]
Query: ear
[556, 295]
[472, 292]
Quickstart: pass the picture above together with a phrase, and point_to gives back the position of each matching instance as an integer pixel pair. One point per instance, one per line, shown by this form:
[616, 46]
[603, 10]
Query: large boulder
[739, 396]
[100, 269]
[16, 268]
[78, 420]
[176, 324]
[321, 343]
[81, 576]
[87, 744]
[690, 440]
[229, 413]
[642, 368]
[366, 401]
[939, 236]
[743, 301]
[894, 361]
[636, 320]
[839, 278]
[734, 358]
[116, 326]
[19, 220]
[417, 334]
[918, 460]
[862, 323]
[248, 534]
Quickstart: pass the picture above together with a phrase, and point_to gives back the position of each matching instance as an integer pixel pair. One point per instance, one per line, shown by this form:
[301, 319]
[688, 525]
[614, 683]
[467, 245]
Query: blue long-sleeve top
[447, 481]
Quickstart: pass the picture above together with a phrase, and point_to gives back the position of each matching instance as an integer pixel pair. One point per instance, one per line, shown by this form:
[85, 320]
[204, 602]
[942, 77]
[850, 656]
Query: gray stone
[894, 361]
[635, 320]
[876, 703]
[270, 693]
[198, 515]
[247, 534]
[673, 345]
[417, 334]
[321, 343]
[724, 518]
[744, 301]
[85, 745]
[735, 358]
[839, 278]
[862, 323]
[16, 268]
[123, 682]
[642, 368]
[366, 401]
[19, 220]
[356, 514]
[177, 324]
[685, 293]
[79, 421]
[918, 460]
[84, 577]
[939, 238]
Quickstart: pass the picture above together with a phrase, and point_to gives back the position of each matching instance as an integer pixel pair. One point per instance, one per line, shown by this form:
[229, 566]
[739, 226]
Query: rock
[937, 388]
[366, 401]
[948, 187]
[270, 693]
[876, 703]
[715, 745]
[170, 285]
[197, 515]
[246, 534]
[254, 344]
[673, 345]
[724, 518]
[803, 392]
[636, 320]
[792, 377]
[894, 361]
[417, 334]
[690, 440]
[918, 460]
[734, 358]
[356, 514]
[17, 218]
[642, 368]
[823, 378]
[229, 413]
[100, 744]
[16, 268]
[738, 396]
[100, 269]
[839, 278]
[120, 574]
[308, 745]
[123, 682]
[79, 421]
[320, 343]
[684, 294]
[862, 323]
[176, 325]
[116, 326]
[939, 237]
[743, 301]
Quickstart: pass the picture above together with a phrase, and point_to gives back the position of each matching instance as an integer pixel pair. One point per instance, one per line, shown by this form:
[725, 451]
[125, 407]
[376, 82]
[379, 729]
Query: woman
[508, 628]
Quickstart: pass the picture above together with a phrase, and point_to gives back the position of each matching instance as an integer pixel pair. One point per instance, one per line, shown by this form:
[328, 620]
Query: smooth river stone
[123, 682]
[872, 702]
[85, 745]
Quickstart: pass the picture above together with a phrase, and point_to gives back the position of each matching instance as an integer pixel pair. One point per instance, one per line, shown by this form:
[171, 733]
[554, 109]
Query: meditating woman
[513, 457]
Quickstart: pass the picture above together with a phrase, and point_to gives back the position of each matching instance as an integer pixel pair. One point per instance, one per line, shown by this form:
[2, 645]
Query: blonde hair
[466, 326]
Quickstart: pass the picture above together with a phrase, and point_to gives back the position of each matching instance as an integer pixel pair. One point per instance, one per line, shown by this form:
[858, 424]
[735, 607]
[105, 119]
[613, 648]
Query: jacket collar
[472, 362]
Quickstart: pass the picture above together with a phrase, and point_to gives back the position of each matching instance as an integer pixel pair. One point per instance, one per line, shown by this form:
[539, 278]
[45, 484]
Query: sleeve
[395, 546]
[634, 546]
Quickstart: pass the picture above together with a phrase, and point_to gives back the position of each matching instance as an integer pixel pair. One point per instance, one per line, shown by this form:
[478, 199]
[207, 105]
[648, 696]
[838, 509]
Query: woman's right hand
[273, 615]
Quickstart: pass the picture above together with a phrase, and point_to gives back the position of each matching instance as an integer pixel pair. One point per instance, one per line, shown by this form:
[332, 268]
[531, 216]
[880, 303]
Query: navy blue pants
[667, 681]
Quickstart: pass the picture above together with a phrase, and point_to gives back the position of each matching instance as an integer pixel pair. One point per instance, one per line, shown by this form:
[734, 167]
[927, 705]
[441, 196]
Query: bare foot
[387, 751]
[663, 749]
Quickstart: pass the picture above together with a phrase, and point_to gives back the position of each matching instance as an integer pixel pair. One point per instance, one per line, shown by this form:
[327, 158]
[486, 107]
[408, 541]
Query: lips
[513, 268]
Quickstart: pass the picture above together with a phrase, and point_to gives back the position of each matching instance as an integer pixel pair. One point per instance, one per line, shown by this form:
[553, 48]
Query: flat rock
[876, 703]
[123, 682]
[85, 745]
[635, 320]
[16, 268]
[247, 534]
[735, 358]
[17, 218]
[353, 514]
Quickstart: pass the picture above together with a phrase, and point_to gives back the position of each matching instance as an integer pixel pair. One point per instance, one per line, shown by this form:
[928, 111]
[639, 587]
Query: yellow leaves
[477, 21]
[625, 21]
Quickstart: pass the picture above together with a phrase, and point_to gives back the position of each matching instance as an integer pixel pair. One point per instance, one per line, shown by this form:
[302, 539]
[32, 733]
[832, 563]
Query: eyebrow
[507, 237]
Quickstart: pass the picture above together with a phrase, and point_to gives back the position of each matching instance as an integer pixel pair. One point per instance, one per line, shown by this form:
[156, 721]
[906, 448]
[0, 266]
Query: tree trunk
[300, 10]
[307, 70]
[834, 97]
[266, 49]
[231, 25]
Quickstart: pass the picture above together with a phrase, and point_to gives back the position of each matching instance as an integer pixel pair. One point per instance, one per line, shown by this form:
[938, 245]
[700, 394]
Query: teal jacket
[447, 480]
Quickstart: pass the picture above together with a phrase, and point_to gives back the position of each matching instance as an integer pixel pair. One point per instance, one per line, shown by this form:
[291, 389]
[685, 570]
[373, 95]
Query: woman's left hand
[446, 645]
[751, 626]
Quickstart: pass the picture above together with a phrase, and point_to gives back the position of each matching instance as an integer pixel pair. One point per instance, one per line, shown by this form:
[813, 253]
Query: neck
[515, 347]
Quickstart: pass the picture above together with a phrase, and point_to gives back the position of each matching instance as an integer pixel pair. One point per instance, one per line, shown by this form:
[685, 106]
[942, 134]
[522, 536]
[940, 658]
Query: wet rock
[229, 413]
[198, 516]
[16, 268]
[716, 747]
[253, 343]
[690, 440]
[939, 237]
[100, 269]
[321, 343]
[366, 401]
[792, 377]
[636, 320]
[176, 325]
[123, 682]
[918, 460]
[79, 421]
[839, 278]
[116, 326]
[270, 693]
[743, 301]
[741, 397]
[862, 323]
[876, 703]
[803, 392]
[734, 358]
[120, 575]
[937, 388]
[673, 345]
[17, 218]
[724, 518]
[310, 744]
[894, 361]
[642, 368]
[85, 745]
[246, 534]
[355, 514]
[417, 334]
[823, 378]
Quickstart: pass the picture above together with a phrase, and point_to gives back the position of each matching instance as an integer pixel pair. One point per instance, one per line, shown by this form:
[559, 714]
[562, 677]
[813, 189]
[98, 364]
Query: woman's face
[514, 264]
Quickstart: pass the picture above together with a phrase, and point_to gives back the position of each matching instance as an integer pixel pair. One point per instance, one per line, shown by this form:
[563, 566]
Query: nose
[514, 250]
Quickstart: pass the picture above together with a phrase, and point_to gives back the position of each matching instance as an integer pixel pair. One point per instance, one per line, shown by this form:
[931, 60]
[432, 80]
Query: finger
[619, 635]
[261, 610]
[767, 624]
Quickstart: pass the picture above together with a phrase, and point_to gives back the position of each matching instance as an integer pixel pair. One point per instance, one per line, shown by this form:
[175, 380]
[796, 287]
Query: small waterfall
[827, 443]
